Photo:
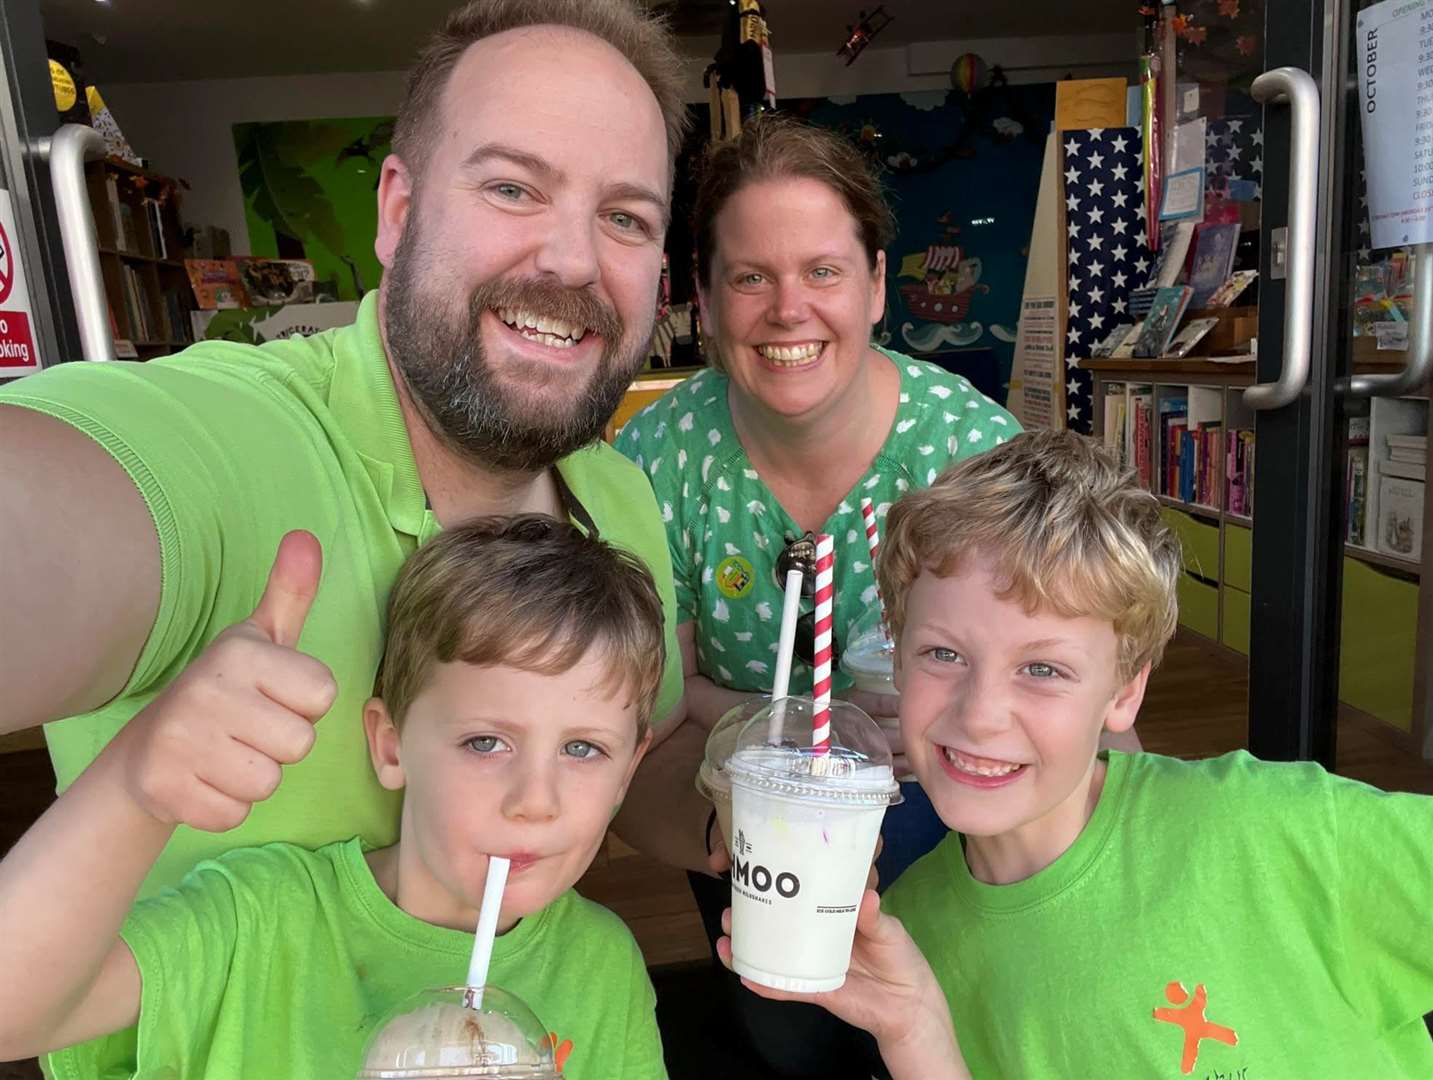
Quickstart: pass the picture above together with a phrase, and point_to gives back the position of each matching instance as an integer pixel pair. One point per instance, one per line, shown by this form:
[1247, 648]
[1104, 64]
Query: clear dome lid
[435, 1035]
[869, 649]
[722, 739]
[774, 751]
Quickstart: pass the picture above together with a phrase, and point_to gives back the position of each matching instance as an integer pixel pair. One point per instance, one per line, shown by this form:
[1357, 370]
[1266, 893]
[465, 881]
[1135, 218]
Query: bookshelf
[141, 258]
[1144, 409]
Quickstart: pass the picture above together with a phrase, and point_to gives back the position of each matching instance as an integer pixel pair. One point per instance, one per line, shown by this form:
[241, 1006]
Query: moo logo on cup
[757, 877]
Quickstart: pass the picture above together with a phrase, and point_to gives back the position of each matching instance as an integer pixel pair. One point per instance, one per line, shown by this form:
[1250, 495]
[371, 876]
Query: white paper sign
[1395, 94]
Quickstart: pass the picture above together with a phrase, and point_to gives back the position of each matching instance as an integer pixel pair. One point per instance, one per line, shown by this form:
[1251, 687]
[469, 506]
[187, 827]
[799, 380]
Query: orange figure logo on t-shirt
[1191, 1018]
[561, 1051]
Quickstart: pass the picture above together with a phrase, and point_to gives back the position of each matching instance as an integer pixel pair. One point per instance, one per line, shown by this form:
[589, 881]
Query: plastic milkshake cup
[806, 825]
[435, 1036]
[713, 784]
[870, 660]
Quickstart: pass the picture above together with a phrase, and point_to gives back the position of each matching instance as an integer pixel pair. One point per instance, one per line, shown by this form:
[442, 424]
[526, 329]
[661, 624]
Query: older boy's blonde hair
[528, 592]
[1067, 530]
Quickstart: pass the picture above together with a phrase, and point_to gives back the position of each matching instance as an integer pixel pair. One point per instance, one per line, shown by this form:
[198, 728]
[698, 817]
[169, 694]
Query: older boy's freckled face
[1001, 710]
[500, 761]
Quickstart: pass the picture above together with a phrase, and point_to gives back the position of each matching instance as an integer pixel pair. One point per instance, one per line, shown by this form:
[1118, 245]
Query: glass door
[44, 212]
[1338, 625]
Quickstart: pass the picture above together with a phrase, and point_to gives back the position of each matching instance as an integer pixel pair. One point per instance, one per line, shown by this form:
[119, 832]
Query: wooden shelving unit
[1387, 601]
[141, 257]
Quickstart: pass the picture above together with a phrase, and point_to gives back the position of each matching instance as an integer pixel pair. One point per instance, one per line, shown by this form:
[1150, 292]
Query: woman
[798, 418]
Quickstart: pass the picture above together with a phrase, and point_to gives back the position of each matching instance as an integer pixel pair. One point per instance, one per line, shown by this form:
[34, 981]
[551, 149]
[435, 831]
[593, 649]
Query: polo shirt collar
[365, 402]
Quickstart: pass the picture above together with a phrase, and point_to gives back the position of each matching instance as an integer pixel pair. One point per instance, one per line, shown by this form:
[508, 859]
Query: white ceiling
[124, 41]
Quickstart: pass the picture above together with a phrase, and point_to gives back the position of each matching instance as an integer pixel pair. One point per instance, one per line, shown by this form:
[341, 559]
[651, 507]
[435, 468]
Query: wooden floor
[1196, 706]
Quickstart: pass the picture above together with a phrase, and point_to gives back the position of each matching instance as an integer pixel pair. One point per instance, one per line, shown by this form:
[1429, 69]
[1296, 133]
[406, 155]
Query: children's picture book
[1191, 334]
[1229, 291]
[1214, 247]
[1400, 517]
[1163, 320]
[1111, 341]
[216, 284]
[1125, 349]
[276, 281]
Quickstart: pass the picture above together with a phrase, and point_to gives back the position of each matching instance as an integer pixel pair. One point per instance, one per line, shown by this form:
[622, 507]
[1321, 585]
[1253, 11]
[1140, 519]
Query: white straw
[786, 645]
[487, 929]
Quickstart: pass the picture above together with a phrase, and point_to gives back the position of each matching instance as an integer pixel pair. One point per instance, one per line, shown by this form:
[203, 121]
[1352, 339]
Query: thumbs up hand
[213, 743]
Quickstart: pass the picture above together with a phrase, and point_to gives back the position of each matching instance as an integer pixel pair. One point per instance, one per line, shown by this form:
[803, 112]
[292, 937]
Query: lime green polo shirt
[232, 446]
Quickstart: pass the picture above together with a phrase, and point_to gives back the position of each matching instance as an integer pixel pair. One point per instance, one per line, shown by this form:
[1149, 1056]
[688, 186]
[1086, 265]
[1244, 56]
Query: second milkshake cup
[806, 822]
[713, 783]
[870, 661]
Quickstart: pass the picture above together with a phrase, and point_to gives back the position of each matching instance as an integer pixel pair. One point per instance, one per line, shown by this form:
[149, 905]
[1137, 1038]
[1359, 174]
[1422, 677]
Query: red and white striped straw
[873, 544]
[821, 677]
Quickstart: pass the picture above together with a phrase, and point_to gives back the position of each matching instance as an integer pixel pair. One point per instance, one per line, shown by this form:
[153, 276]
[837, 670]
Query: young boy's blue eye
[484, 744]
[1041, 670]
[582, 749]
[944, 655]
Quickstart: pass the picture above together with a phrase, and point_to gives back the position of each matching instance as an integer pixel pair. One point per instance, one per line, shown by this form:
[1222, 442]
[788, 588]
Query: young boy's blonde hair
[528, 592]
[1067, 530]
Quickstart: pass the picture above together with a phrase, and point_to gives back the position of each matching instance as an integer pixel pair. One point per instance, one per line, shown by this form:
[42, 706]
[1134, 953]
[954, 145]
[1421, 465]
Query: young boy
[1100, 914]
[520, 672]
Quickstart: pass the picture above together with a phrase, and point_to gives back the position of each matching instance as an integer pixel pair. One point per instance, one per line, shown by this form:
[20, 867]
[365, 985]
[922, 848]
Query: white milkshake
[806, 825]
[436, 1036]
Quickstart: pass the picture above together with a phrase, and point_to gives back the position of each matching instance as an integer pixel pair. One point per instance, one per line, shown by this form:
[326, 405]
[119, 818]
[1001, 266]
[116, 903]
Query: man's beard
[465, 402]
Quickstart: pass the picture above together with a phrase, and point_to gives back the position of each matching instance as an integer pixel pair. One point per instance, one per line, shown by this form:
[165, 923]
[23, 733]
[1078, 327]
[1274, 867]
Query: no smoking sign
[17, 343]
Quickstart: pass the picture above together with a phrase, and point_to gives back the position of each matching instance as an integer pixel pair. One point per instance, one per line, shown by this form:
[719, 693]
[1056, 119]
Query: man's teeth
[791, 354]
[548, 330]
[979, 766]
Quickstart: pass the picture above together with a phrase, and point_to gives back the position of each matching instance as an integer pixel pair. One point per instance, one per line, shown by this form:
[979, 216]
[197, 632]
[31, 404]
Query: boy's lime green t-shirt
[281, 962]
[232, 446]
[1217, 919]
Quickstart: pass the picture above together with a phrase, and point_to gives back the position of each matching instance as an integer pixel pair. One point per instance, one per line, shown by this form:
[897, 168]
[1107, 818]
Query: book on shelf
[1110, 342]
[1163, 320]
[1189, 336]
[1400, 517]
[1239, 471]
[1412, 457]
[1174, 239]
[155, 220]
[1115, 421]
[1141, 411]
[111, 194]
[1214, 249]
[1125, 349]
[1228, 292]
[1356, 495]
[128, 239]
[1408, 470]
[1355, 490]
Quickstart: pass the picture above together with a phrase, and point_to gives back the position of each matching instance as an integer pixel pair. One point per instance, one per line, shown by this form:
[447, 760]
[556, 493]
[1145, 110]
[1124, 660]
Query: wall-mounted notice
[1395, 94]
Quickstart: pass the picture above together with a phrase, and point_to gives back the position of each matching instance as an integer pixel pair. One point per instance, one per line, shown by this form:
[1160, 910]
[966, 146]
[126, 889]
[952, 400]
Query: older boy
[1104, 914]
[522, 666]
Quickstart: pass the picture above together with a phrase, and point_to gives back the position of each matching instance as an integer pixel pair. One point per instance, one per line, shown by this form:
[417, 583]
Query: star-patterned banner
[1106, 249]
[1234, 150]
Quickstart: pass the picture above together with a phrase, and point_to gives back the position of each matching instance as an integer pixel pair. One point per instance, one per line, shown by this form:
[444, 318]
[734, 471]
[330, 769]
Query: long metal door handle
[1420, 340]
[67, 150]
[1298, 89]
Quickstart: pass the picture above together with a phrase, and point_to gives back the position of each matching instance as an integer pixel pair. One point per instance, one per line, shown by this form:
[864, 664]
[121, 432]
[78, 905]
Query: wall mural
[309, 193]
[962, 170]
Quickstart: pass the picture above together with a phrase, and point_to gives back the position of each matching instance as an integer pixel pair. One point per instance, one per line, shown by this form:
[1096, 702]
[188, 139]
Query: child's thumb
[292, 586]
